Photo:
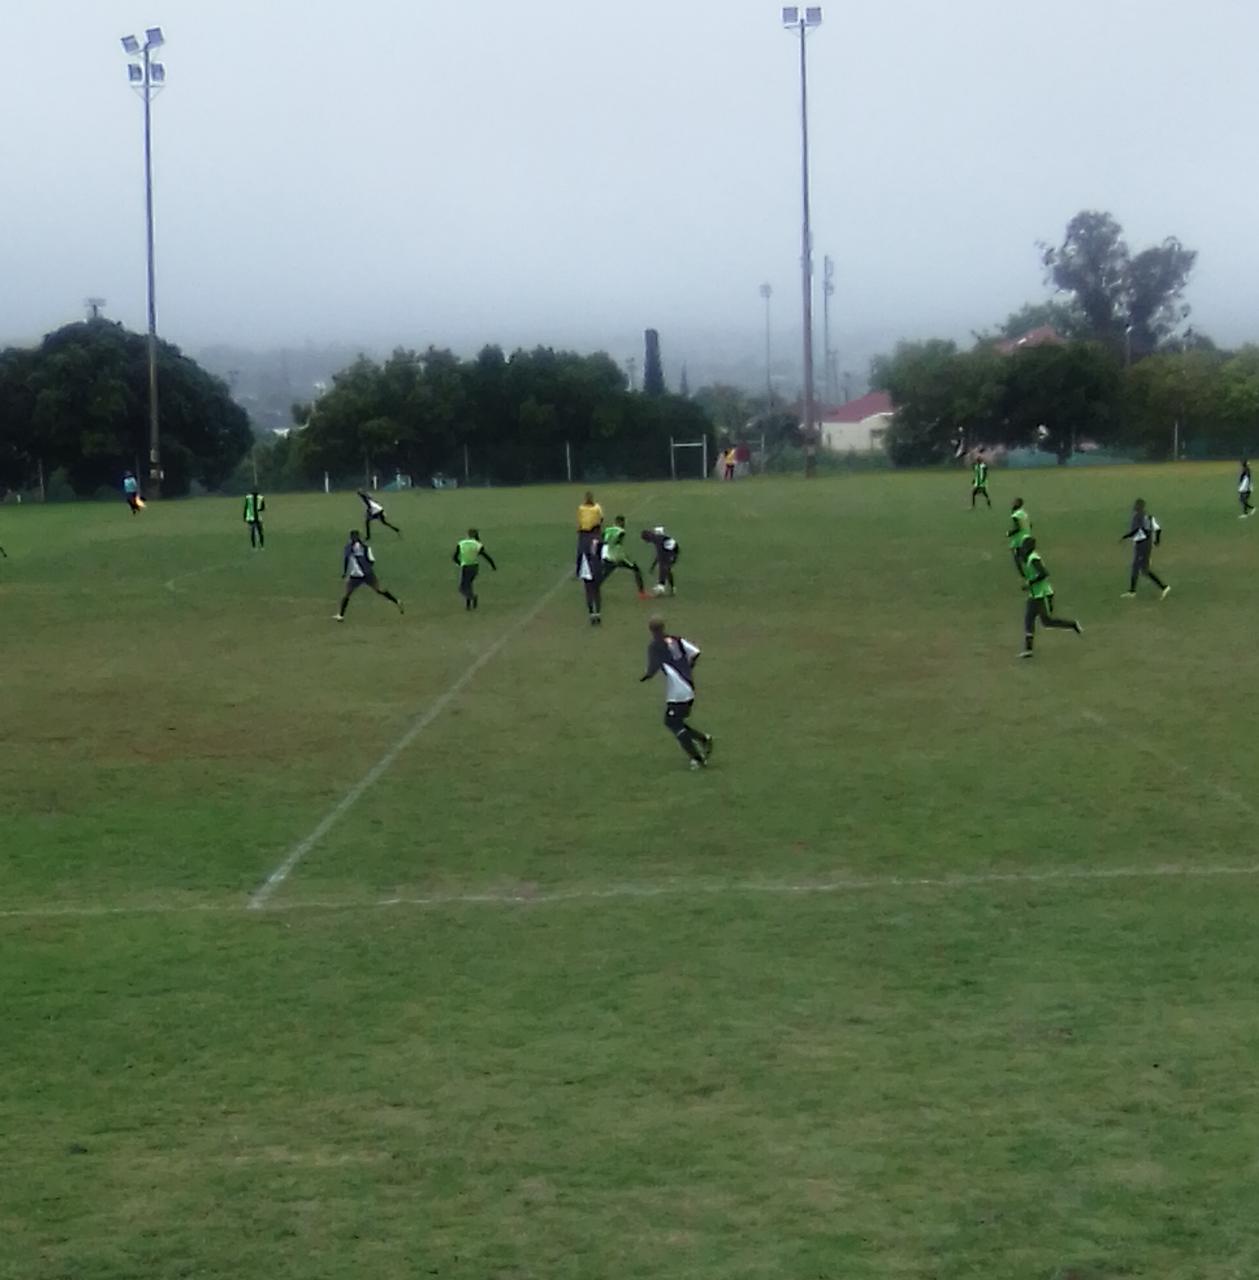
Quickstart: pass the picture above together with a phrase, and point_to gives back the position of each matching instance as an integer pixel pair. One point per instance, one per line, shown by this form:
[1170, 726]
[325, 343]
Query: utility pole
[148, 79]
[767, 292]
[801, 22]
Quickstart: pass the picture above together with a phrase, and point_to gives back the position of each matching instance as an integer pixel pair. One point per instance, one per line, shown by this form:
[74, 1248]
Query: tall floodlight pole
[767, 292]
[800, 22]
[148, 78]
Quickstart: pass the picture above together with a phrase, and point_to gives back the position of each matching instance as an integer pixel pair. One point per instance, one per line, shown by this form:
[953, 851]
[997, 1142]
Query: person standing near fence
[131, 492]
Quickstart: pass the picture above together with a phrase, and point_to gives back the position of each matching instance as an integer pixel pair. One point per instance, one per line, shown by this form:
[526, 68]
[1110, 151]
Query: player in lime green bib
[979, 481]
[614, 556]
[1018, 533]
[469, 552]
[255, 505]
[1040, 598]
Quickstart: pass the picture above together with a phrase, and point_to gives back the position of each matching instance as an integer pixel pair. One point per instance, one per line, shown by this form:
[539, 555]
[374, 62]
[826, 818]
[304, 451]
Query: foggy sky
[408, 171]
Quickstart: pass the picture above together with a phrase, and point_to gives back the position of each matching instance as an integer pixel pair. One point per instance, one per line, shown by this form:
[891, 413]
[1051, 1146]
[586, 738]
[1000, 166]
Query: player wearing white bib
[675, 657]
[372, 510]
[1244, 485]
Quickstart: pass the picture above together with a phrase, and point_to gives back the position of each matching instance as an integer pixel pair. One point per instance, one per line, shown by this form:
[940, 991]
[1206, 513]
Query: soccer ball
[658, 589]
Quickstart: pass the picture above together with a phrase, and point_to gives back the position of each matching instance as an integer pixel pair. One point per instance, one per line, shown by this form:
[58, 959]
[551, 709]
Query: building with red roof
[858, 426]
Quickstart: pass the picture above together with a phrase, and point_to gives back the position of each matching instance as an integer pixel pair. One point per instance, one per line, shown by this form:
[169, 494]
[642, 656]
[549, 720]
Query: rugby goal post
[700, 444]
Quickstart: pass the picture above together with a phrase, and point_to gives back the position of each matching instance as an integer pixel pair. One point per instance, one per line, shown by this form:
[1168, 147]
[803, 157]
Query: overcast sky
[535, 170]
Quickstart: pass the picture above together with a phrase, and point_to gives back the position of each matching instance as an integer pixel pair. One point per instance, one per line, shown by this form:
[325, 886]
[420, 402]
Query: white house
[858, 426]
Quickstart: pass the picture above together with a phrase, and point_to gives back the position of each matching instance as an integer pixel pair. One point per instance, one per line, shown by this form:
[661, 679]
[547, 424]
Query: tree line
[505, 419]
[1122, 370]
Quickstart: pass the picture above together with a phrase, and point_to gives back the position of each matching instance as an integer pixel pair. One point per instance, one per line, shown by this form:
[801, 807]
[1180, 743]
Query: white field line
[678, 889]
[417, 726]
[170, 586]
[1168, 762]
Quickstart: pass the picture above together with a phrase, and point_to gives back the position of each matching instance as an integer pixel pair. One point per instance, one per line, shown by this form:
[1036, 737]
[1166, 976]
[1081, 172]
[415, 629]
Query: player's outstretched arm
[489, 559]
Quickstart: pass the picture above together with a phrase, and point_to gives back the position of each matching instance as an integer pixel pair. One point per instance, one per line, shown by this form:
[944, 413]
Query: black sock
[1132, 586]
[345, 602]
[686, 737]
[389, 595]
[262, 542]
[1029, 638]
[1156, 580]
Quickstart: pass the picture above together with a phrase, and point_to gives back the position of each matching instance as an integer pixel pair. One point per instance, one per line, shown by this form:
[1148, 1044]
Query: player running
[1244, 486]
[979, 481]
[1146, 534]
[359, 569]
[372, 510]
[676, 657]
[1040, 599]
[666, 556]
[1019, 533]
[469, 552]
[255, 505]
[614, 556]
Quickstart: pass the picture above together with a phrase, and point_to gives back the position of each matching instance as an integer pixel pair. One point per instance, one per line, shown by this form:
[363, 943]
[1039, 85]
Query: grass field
[946, 969]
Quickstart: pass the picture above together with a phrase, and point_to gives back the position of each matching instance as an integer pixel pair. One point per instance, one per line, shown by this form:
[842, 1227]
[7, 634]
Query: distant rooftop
[867, 406]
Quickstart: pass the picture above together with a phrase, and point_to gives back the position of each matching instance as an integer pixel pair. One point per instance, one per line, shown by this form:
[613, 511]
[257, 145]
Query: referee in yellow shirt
[589, 528]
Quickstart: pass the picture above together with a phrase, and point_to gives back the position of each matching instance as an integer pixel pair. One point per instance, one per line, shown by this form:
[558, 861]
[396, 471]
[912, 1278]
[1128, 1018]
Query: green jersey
[255, 505]
[469, 551]
[1033, 566]
[980, 473]
[1020, 528]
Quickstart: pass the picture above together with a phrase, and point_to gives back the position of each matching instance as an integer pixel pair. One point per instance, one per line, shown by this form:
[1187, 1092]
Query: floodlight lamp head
[135, 72]
[157, 72]
[154, 39]
[130, 44]
[813, 16]
[791, 16]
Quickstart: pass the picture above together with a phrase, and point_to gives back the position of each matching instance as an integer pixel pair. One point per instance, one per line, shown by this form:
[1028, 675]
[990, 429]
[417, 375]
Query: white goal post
[675, 445]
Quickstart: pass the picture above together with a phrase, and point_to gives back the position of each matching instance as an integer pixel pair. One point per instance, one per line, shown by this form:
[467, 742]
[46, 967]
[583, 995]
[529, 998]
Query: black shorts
[467, 575]
[353, 584]
[675, 714]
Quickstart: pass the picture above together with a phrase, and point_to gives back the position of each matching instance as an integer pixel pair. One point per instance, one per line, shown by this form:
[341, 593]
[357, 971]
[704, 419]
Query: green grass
[854, 1003]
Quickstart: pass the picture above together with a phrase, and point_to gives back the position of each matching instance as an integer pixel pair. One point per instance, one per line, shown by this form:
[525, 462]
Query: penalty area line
[419, 723]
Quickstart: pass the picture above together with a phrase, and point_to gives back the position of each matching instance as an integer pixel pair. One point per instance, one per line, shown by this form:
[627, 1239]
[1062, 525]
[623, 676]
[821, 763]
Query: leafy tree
[79, 402]
[1181, 393]
[1064, 318]
[1059, 396]
[921, 378]
[653, 370]
[1120, 296]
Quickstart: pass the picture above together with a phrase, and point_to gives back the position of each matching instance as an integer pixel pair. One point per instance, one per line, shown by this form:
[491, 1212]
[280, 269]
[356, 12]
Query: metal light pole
[767, 292]
[830, 379]
[148, 78]
[800, 22]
